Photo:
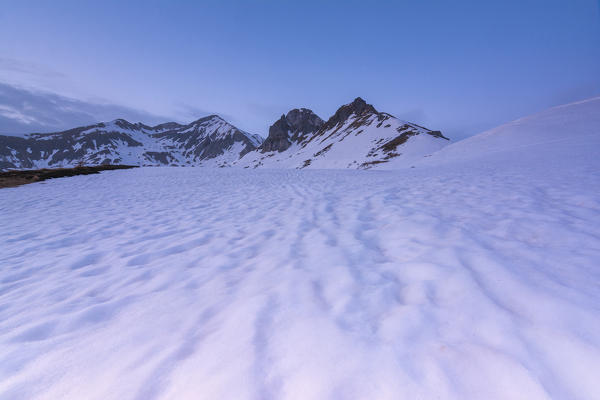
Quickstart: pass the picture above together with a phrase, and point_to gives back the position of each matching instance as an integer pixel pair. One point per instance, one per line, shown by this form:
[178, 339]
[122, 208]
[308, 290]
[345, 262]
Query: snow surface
[474, 279]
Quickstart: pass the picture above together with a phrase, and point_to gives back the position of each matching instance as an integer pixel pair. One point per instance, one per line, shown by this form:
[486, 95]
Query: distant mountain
[356, 136]
[209, 141]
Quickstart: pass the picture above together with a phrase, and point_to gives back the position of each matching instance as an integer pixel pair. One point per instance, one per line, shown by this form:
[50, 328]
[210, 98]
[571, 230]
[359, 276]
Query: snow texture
[471, 278]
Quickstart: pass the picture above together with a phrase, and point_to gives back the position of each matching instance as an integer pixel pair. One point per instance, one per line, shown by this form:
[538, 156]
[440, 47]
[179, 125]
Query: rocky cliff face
[358, 108]
[291, 128]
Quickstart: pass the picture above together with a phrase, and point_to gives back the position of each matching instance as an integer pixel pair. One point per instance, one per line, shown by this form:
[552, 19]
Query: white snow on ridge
[255, 139]
[459, 280]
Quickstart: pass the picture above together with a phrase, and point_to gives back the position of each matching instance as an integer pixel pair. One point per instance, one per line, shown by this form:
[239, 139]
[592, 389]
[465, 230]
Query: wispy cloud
[26, 111]
[267, 110]
[10, 65]
[575, 93]
[188, 112]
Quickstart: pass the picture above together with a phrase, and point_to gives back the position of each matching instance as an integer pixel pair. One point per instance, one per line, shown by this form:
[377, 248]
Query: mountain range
[356, 136]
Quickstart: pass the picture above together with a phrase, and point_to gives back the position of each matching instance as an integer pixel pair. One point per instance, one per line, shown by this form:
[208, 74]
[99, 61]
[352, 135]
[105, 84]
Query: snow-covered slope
[207, 141]
[474, 279]
[356, 136]
[558, 135]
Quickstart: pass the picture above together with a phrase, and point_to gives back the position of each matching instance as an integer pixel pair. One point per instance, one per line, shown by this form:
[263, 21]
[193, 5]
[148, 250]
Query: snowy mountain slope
[210, 140]
[356, 136]
[557, 135]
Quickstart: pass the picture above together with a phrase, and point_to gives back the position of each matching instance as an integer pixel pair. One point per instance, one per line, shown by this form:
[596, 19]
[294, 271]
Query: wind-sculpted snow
[187, 283]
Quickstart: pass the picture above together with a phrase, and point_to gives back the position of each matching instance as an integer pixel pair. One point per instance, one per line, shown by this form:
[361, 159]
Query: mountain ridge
[208, 140]
[353, 137]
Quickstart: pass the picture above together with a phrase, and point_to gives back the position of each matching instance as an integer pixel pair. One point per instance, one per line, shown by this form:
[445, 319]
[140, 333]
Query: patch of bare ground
[22, 177]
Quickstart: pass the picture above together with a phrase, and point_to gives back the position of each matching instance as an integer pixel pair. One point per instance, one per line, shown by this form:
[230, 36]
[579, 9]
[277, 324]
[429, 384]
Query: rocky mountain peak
[166, 126]
[208, 118]
[358, 107]
[303, 121]
[278, 138]
[291, 128]
[124, 124]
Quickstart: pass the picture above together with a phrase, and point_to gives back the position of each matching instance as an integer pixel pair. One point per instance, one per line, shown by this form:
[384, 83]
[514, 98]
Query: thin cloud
[29, 68]
[188, 112]
[28, 111]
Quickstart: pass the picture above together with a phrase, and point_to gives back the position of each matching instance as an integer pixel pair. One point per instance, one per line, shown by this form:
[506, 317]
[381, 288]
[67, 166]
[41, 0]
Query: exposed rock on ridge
[356, 136]
[207, 141]
[291, 128]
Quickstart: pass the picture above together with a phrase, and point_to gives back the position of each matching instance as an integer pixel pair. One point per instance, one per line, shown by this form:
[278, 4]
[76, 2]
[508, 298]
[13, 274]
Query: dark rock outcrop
[22, 177]
[358, 107]
[291, 128]
[356, 136]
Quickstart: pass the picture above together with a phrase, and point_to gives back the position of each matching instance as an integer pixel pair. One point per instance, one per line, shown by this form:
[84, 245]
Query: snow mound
[559, 134]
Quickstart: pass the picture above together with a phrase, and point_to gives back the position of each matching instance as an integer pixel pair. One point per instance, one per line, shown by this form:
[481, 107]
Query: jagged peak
[215, 126]
[290, 128]
[167, 126]
[121, 123]
[120, 120]
[300, 111]
[298, 118]
[357, 107]
[208, 118]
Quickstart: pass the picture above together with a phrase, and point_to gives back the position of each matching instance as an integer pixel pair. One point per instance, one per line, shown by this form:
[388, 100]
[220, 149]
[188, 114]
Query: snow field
[176, 283]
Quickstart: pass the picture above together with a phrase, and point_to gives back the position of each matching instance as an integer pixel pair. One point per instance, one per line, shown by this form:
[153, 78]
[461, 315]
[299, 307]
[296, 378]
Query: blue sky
[457, 66]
